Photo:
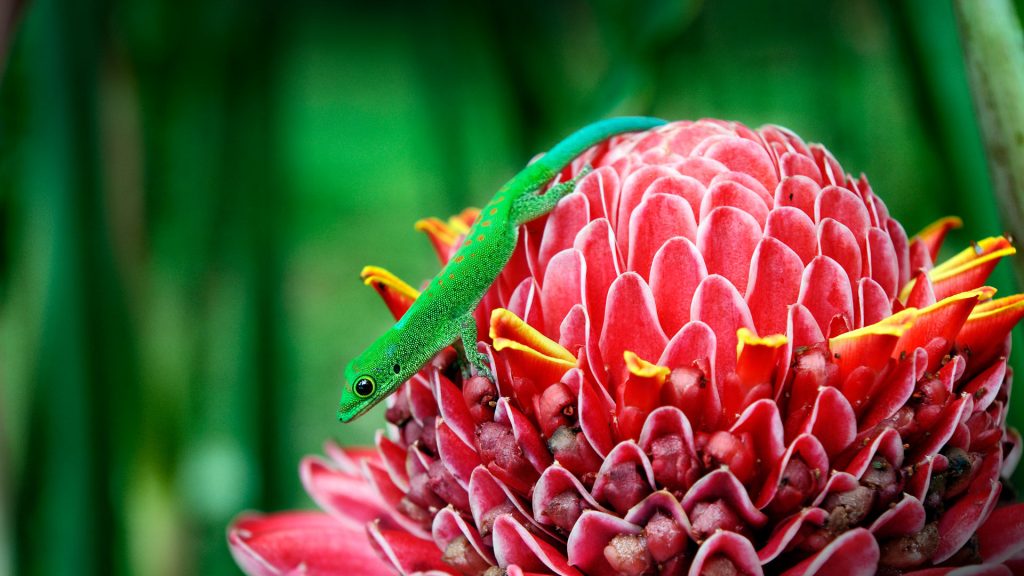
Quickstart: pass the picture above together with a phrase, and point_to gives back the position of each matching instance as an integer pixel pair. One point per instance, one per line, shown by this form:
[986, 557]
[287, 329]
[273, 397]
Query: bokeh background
[189, 188]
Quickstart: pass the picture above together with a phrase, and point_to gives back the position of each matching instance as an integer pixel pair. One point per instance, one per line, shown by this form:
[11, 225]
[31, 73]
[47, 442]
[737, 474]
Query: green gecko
[443, 313]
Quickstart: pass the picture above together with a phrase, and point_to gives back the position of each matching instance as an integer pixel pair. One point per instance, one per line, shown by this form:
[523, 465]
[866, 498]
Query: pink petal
[625, 477]
[831, 171]
[731, 258]
[799, 193]
[631, 323]
[722, 485]
[896, 390]
[702, 169]
[901, 246]
[344, 495]
[597, 244]
[601, 187]
[959, 522]
[762, 422]
[802, 328]
[774, 284]
[562, 289]
[677, 270]
[689, 135]
[883, 262]
[658, 218]
[985, 386]
[825, 291]
[832, 421]
[489, 498]
[527, 437]
[887, 445]
[450, 526]
[633, 189]
[727, 193]
[746, 181]
[904, 517]
[1001, 537]
[513, 544]
[718, 304]
[393, 457]
[553, 485]
[741, 155]
[525, 303]
[596, 411]
[872, 303]
[845, 207]
[785, 533]
[563, 224]
[391, 494]
[459, 457]
[590, 536]
[941, 431]
[839, 243]
[667, 438]
[812, 455]
[735, 548]
[691, 385]
[454, 411]
[794, 229]
[794, 164]
[406, 552]
[854, 553]
[302, 542]
[686, 187]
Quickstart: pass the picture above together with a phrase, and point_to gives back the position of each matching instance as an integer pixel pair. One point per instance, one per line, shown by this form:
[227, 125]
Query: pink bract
[719, 355]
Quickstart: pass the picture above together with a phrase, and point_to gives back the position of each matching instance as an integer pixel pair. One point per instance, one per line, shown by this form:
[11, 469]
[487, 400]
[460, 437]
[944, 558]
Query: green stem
[994, 55]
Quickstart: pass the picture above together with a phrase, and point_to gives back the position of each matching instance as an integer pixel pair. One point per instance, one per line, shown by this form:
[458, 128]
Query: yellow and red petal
[934, 234]
[756, 357]
[444, 237]
[983, 334]
[871, 346]
[397, 295]
[528, 350]
[464, 220]
[967, 270]
[935, 327]
[639, 394]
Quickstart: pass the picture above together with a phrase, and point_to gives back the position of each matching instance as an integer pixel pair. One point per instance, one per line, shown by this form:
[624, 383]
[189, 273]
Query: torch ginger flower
[719, 355]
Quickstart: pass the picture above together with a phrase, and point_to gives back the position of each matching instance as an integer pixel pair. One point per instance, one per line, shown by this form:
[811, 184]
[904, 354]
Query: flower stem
[994, 55]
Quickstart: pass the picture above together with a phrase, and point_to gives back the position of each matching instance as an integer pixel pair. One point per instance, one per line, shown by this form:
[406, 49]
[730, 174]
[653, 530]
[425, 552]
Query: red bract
[719, 355]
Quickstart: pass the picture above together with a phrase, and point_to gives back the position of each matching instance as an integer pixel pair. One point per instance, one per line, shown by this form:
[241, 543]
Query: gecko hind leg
[472, 359]
[530, 206]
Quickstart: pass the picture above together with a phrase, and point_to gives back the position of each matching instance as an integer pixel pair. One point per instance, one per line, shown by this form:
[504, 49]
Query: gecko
[442, 315]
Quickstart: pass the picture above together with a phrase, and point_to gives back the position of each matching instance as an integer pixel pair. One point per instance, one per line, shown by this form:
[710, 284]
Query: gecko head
[369, 379]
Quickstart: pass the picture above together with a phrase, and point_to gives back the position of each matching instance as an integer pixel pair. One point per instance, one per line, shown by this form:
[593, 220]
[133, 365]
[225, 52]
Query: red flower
[720, 355]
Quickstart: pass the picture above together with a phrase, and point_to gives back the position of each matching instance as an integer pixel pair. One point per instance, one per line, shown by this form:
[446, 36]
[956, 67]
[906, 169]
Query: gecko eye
[364, 387]
[397, 368]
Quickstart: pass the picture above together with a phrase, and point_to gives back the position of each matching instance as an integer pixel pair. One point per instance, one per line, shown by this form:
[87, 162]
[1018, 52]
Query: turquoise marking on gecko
[443, 314]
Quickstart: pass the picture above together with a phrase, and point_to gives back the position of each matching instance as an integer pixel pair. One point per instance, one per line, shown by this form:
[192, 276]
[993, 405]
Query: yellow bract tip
[639, 367]
[894, 325]
[510, 331]
[747, 336]
[376, 275]
[947, 223]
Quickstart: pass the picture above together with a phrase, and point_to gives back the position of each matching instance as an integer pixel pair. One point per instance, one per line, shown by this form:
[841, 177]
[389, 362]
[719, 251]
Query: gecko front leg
[472, 359]
[534, 205]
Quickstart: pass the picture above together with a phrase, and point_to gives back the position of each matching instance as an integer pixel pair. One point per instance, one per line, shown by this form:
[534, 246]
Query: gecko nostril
[396, 368]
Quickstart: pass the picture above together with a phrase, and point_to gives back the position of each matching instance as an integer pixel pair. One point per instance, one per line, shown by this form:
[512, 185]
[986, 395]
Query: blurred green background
[189, 189]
